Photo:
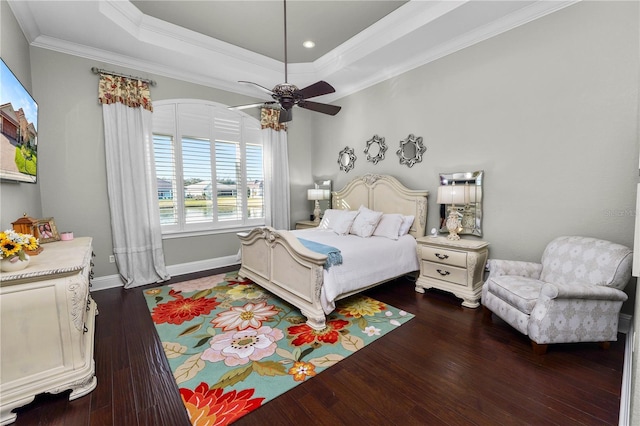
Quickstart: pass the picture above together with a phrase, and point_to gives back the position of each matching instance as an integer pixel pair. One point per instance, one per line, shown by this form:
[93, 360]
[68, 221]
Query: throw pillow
[365, 222]
[342, 225]
[389, 226]
[407, 221]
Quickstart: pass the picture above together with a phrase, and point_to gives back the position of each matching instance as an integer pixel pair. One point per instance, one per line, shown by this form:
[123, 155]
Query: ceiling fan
[287, 95]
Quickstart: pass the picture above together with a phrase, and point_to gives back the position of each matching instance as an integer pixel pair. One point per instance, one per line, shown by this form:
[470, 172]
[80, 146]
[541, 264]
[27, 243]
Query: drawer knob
[442, 256]
[443, 273]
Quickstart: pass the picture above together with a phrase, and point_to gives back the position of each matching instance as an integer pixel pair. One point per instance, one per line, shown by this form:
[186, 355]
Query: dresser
[453, 266]
[47, 319]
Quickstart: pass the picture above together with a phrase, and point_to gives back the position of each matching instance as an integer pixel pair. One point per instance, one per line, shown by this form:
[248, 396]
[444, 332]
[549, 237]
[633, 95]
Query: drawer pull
[442, 256]
[443, 273]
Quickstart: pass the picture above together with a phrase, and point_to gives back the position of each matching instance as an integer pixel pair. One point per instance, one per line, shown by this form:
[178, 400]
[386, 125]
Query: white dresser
[453, 266]
[47, 319]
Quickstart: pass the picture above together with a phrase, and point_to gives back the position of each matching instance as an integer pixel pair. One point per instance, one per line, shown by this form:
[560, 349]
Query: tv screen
[18, 130]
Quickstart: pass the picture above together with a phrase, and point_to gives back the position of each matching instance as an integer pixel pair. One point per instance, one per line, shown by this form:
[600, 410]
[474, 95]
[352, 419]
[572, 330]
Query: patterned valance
[133, 93]
[269, 119]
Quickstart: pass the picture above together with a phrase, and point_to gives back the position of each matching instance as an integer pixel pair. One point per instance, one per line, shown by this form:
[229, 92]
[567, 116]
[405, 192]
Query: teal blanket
[334, 257]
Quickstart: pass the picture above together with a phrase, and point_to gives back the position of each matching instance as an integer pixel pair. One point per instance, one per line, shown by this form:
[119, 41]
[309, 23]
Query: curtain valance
[270, 119]
[132, 93]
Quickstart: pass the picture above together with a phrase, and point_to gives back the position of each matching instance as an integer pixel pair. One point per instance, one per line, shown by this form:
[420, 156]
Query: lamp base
[316, 212]
[453, 225]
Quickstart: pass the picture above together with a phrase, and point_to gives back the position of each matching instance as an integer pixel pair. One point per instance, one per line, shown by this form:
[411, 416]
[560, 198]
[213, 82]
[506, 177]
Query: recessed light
[308, 44]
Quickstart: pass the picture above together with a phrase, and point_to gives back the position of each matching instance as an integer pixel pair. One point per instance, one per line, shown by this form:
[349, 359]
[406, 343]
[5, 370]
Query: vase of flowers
[12, 250]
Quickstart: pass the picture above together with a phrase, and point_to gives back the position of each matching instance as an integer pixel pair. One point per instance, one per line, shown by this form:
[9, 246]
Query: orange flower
[182, 309]
[209, 407]
[301, 370]
[307, 335]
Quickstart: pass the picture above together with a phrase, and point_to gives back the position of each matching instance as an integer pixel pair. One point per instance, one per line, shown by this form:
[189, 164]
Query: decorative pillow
[407, 221]
[342, 225]
[329, 218]
[389, 226]
[365, 222]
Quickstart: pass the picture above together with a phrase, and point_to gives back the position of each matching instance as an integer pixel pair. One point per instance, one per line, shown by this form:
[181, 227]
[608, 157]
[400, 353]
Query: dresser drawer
[448, 257]
[447, 273]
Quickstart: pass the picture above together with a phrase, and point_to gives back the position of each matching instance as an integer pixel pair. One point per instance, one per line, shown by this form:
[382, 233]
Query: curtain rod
[101, 71]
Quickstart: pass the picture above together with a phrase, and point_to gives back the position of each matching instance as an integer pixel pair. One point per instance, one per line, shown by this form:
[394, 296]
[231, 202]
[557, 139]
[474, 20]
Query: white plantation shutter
[213, 157]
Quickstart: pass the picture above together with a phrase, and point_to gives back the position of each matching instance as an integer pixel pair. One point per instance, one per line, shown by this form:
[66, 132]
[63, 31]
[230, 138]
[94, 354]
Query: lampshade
[315, 194]
[451, 194]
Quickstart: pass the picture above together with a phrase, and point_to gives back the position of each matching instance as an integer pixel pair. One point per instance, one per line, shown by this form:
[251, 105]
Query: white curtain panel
[133, 201]
[276, 176]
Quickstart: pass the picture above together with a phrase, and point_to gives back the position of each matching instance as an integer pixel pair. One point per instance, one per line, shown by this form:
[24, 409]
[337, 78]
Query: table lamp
[316, 195]
[452, 195]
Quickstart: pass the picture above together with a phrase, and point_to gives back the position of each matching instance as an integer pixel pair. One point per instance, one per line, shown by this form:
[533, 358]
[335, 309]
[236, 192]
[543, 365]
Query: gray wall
[548, 110]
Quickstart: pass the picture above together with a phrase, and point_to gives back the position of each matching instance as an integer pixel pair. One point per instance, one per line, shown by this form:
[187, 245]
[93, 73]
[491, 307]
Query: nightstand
[306, 224]
[453, 266]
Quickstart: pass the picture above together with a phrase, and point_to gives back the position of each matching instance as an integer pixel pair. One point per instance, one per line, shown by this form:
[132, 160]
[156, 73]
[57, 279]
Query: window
[208, 167]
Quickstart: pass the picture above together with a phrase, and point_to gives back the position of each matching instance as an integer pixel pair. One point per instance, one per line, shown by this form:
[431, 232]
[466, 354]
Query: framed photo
[47, 231]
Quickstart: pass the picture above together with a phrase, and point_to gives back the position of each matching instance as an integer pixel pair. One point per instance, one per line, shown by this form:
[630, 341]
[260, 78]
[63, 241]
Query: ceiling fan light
[309, 44]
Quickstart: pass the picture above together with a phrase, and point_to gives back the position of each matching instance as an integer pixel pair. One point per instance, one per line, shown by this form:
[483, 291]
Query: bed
[279, 262]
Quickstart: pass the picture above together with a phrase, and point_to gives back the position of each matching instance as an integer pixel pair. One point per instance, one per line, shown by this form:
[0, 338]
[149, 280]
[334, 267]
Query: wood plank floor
[444, 367]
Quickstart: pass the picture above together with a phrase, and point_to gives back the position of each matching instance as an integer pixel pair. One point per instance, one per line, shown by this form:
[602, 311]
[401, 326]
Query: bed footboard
[278, 262]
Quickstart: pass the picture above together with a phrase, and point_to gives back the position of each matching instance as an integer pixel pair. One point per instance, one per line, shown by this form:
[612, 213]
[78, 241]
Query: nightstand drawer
[441, 255]
[443, 272]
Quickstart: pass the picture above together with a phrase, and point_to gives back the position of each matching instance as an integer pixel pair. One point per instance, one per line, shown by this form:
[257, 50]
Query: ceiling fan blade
[318, 107]
[264, 89]
[247, 106]
[316, 89]
[285, 116]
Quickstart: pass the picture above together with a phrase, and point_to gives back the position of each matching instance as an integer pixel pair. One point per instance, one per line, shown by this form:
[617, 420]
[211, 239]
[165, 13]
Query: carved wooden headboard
[384, 193]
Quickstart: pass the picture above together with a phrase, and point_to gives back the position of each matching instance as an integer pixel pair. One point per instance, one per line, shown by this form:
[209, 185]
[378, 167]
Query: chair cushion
[520, 292]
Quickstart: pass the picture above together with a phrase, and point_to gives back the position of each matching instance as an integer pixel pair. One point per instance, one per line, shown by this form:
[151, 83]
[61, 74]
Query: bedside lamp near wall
[316, 195]
[451, 195]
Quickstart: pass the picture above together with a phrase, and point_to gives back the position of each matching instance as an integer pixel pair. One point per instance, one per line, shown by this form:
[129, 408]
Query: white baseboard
[112, 281]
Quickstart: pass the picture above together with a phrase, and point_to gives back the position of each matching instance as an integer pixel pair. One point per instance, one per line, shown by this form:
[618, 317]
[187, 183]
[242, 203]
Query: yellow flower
[361, 306]
[13, 243]
[9, 248]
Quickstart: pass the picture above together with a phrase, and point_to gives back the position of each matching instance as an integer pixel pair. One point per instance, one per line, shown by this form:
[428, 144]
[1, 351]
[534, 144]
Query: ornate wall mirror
[470, 213]
[376, 147]
[411, 150]
[346, 159]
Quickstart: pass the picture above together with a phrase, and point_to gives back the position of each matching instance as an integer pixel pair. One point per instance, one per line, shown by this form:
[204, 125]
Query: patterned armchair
[573, 295]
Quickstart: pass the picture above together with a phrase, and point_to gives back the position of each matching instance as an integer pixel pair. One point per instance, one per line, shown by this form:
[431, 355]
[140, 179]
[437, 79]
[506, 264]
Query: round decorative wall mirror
[376, 147]
[346, 159]
[411, 150]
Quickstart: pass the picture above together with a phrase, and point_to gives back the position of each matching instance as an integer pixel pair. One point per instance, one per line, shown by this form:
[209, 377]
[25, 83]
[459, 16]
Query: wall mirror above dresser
[471, 211]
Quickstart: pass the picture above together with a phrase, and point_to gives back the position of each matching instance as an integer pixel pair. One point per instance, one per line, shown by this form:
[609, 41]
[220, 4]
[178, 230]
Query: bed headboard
[386, 194]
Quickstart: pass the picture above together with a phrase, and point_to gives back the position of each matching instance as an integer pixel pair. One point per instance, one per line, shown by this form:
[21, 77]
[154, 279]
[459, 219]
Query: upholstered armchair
[573, 295]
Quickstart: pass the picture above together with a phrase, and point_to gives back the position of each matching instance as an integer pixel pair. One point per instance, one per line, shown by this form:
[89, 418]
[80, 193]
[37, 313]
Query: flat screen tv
[18, 130]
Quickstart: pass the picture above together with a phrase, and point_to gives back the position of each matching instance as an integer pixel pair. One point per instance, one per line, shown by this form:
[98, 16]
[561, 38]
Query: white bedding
[365, 261]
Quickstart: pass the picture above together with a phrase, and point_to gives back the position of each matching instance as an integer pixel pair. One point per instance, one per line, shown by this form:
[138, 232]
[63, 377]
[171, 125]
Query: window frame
[169, 121]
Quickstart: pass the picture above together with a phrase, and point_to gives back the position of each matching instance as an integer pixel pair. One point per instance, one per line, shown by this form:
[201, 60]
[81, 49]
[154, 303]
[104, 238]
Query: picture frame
[47, 230]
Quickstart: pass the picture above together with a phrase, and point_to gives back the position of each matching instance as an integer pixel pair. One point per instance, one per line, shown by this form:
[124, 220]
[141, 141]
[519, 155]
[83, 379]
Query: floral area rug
[232, 346]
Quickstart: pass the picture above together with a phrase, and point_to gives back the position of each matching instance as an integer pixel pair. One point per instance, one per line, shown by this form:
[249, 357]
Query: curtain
[276, 169]
[131, 183]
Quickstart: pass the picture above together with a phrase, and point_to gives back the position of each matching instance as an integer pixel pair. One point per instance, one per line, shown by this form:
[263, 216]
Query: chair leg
[605, 345]
[539, 349]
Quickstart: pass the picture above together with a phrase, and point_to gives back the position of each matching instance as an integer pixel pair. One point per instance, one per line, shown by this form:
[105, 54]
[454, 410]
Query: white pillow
[345, 219]
[389, 226]
[329, 218]
[407, 221]
[365, 222]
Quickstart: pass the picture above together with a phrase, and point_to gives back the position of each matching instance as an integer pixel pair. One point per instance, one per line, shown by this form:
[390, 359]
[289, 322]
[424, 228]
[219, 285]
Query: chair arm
[577, 291]
[499, 267]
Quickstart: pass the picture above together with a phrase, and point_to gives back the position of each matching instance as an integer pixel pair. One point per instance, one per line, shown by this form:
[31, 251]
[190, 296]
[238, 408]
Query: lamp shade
[451, 194]
[315, 194]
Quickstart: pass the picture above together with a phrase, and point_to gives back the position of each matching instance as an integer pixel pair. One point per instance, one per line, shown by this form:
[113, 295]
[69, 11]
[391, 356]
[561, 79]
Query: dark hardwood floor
[444, 367]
